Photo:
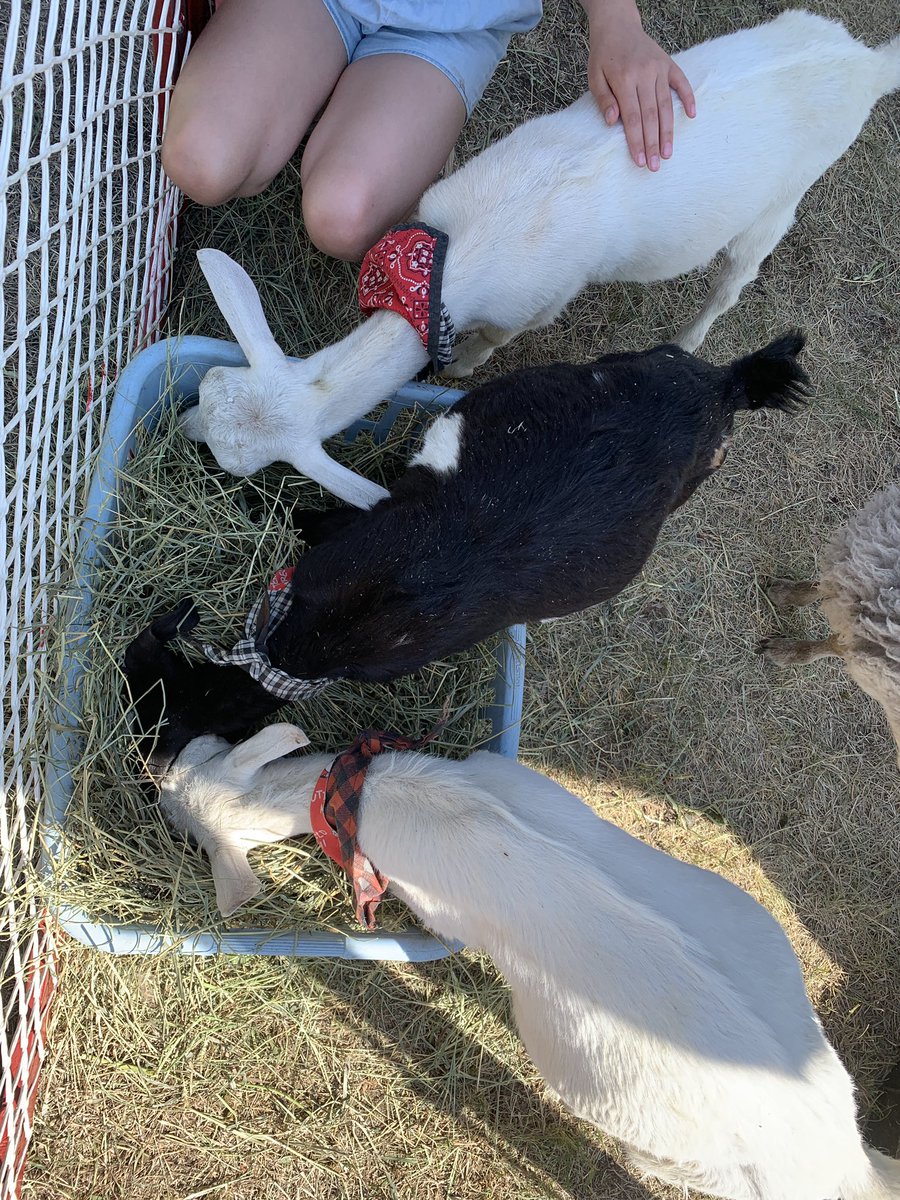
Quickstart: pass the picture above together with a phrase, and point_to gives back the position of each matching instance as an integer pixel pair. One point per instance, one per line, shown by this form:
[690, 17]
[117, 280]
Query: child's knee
[342, 217]
[196, 169]
[205, 167]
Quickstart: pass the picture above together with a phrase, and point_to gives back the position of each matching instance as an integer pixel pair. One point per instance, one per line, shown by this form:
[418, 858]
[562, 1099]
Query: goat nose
[168, 746]
[158, 766]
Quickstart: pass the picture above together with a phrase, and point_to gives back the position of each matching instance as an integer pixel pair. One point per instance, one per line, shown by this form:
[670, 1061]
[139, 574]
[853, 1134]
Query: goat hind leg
[743, 256]
[729, 1182]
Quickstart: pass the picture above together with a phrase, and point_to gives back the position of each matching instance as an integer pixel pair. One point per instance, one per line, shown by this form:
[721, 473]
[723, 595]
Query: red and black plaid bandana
[335, 803]
[403, 272]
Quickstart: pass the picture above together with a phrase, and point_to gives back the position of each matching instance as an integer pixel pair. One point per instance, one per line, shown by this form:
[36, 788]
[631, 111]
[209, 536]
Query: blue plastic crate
[173, 369]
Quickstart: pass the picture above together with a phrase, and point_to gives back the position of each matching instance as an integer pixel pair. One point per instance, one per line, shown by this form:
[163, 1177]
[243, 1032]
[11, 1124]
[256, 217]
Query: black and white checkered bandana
[250, 652]
[442, 353]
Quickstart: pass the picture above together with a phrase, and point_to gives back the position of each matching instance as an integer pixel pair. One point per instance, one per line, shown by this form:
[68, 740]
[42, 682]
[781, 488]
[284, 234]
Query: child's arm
[633, 78]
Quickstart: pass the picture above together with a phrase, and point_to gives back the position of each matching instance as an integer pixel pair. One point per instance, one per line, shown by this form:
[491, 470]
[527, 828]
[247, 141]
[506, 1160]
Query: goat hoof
[779, 590]
[457, 370]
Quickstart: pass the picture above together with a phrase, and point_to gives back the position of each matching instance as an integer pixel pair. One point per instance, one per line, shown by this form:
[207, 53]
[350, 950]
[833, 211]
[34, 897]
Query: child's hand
[632, 77]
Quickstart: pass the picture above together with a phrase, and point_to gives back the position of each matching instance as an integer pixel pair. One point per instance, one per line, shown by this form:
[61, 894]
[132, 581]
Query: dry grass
[245, 1079]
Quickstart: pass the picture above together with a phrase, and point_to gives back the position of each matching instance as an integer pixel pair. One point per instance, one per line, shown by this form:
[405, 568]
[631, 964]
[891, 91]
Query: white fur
[558, 204]
[658, 1000]
[238, 819]
[440, 446]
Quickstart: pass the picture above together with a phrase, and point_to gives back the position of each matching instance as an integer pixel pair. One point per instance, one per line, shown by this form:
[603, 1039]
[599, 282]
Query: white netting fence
[87, 227]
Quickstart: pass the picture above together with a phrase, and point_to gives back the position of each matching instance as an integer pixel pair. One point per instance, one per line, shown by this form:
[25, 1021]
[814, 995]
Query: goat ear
[234, 880]
[270, 743]
[340, 481]
[181, 620]
[146, 650]
[238, 299]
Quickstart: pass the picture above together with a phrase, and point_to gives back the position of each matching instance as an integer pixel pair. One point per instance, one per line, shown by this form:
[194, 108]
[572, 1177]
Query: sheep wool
[859, 591]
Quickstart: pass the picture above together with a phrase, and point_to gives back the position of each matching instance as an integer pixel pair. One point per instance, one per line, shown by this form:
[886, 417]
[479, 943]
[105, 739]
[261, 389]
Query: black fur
[175, 701]
[565, 477]
[772, 377]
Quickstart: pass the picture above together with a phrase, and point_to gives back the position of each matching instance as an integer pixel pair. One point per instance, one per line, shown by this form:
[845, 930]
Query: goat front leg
[743, 256]
[481, 343]
[791, 593]
[787, 652]
[476, 348]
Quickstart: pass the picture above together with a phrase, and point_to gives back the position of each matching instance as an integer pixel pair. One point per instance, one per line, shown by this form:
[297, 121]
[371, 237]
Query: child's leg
[387, 131]
[248, 92]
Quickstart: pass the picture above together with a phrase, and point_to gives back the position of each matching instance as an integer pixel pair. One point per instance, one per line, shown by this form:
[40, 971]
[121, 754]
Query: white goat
[552, 207]
[859, 591]
[658, 1000]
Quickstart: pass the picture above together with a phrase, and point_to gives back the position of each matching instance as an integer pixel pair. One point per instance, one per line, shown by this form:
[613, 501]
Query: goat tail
[889, 59]
[878, 1180]
[772, 377]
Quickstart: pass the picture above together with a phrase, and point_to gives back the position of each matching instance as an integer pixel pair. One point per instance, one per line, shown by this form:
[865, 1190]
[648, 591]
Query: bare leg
[385, 135]
[791, 593]
[743, 256]
[247, 94]
[787, 652]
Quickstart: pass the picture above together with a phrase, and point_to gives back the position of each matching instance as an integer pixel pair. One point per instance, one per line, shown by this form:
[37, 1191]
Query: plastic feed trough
[175, 367]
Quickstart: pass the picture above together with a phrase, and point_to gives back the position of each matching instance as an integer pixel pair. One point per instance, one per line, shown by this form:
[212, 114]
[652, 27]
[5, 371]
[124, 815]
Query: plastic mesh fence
[87, 228]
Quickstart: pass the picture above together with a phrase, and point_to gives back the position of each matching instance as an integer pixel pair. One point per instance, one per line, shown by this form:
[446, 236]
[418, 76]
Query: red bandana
[403, 272]
[281, 579]
[335, 803]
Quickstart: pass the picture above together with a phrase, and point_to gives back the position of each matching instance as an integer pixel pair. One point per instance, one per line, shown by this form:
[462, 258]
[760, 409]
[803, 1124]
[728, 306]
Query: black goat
[536, 495]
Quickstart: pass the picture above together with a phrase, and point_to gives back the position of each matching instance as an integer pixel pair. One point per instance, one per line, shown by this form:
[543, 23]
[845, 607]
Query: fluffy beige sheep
[859, 591]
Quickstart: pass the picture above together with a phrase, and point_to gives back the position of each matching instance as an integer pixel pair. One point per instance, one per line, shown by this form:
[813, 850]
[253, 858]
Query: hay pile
[187, 528]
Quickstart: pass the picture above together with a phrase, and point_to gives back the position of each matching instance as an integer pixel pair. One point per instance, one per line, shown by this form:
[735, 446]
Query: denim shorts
[467, 56]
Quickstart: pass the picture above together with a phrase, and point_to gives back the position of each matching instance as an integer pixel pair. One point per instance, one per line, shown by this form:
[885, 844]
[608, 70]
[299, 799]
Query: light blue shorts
[468, 57]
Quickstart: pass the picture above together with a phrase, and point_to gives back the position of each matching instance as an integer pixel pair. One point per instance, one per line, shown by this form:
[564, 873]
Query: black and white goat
[536, 495]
